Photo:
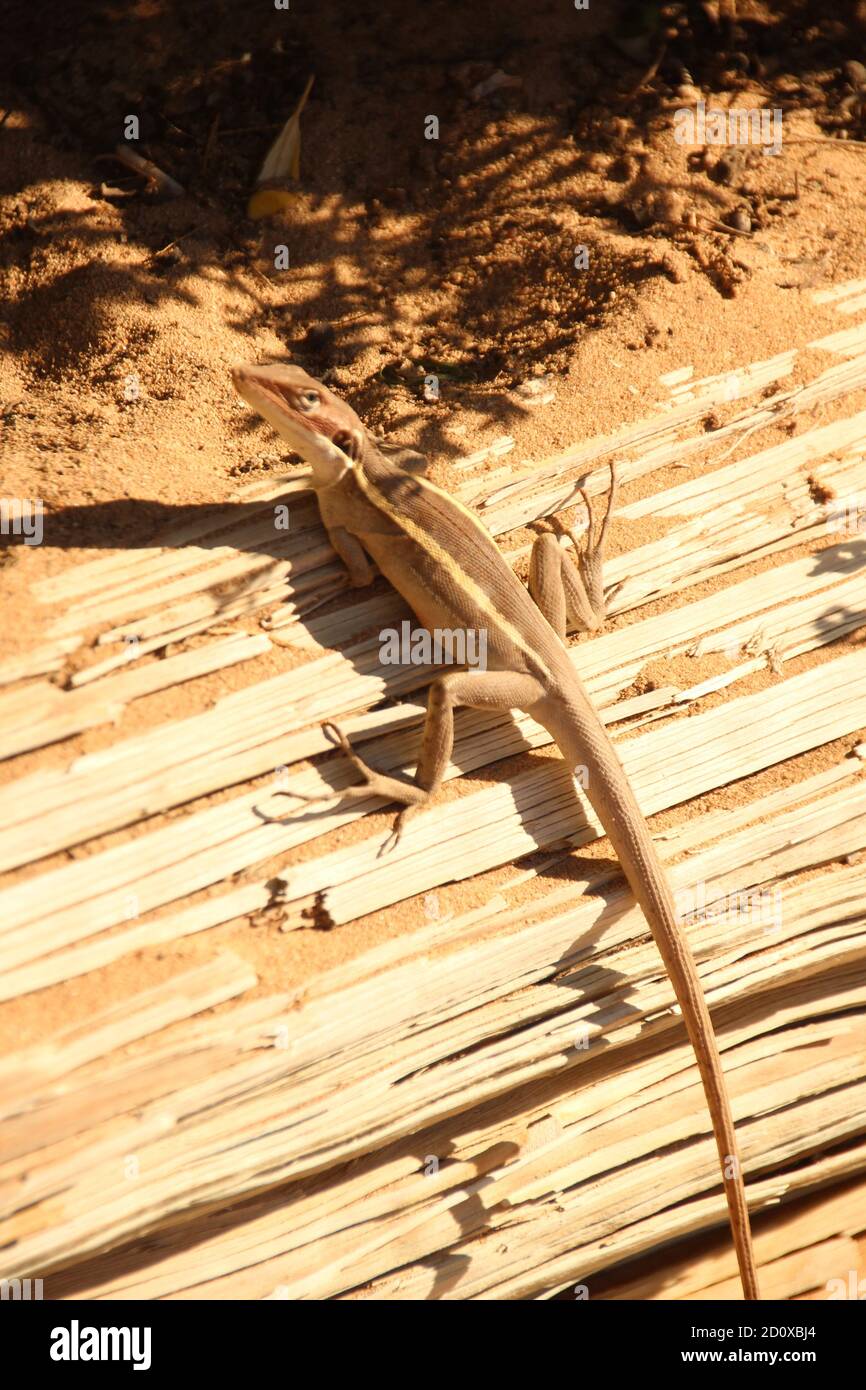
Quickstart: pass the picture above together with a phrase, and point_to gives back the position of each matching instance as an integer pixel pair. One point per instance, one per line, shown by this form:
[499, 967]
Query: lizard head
[311, 419]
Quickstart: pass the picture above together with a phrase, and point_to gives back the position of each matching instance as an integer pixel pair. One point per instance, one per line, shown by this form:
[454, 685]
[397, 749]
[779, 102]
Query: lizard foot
[375, 783]
[591, 551]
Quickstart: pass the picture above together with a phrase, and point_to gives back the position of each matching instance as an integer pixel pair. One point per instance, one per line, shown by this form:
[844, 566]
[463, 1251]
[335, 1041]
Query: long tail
[585, 741]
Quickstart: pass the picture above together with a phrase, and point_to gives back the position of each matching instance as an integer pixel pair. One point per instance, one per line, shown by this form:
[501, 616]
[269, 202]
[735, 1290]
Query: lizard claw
[299, 796]
[375, 783]
[335, 734]
[396, 835]
[337, 737]
[591, 553]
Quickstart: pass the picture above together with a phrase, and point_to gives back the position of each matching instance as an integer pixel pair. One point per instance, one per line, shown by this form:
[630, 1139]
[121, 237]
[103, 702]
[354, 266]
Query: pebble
[537, 391]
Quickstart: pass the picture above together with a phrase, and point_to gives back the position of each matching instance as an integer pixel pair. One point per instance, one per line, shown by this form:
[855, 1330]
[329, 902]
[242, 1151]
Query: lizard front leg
[354, 556]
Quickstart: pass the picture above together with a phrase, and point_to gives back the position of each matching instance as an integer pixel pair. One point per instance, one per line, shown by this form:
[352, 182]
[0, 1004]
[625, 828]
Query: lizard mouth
[275, 405]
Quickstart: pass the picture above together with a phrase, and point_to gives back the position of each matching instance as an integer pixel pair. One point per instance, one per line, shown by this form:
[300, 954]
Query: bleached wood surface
[497, 1104]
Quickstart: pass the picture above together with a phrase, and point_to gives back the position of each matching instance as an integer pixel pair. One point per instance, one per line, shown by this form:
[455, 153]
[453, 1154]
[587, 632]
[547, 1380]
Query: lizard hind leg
[592, 558]
[497, 690]
[566, 590]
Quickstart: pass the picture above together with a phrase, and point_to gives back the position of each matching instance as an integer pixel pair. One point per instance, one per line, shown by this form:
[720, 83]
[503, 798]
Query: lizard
[440, 557]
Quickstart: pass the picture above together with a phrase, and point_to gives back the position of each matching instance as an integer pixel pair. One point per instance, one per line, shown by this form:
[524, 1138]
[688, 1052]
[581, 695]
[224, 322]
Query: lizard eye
[309, 399]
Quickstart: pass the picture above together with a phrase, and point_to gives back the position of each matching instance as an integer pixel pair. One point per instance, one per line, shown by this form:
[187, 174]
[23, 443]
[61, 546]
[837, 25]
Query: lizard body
[443, 561]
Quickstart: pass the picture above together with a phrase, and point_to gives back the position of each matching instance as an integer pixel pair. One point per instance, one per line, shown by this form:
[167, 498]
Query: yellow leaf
[282, 163]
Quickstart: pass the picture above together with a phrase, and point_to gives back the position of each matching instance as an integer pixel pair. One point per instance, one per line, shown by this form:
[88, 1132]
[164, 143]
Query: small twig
[781, 411]
[180, 130]
[113, 191]
[650, 72]
[210, 142]
[164, 183]
[251, 129]
[261, 275]
[162, 250]
[721, 226]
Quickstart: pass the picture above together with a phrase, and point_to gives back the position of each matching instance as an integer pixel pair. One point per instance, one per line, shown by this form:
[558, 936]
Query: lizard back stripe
[443, 558]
